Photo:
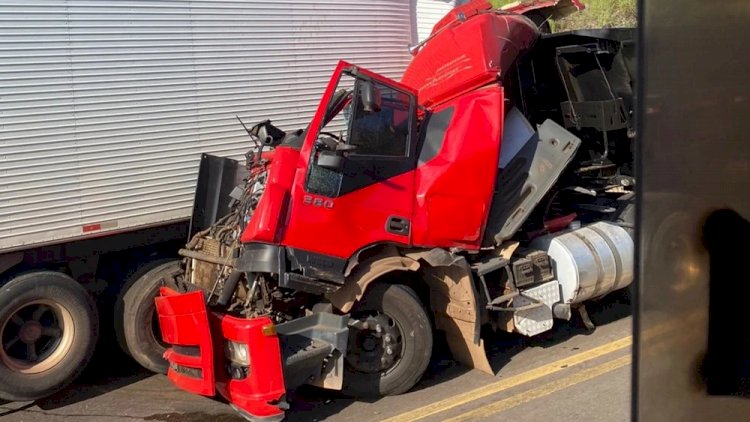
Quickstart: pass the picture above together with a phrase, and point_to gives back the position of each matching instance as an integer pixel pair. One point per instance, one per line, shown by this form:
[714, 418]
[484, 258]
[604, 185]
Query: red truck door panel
[370, 199]
[455, 180]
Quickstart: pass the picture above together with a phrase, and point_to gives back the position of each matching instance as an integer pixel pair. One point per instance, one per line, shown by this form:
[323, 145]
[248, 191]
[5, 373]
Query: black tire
[135, 313]
[32, 307]
[400, 306]
[118, 313]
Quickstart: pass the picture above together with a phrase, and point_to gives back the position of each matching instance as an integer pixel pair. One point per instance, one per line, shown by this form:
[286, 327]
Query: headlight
[237, 353]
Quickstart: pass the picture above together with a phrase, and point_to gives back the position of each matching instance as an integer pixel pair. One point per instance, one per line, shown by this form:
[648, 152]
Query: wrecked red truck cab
[438, 202]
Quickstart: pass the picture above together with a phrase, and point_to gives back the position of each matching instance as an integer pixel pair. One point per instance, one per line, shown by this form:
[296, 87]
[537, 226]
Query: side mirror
[331, 160]
[342, 148]
[369, 96]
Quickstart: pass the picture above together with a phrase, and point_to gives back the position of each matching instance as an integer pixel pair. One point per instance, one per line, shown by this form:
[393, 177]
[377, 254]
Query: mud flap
[454, 302]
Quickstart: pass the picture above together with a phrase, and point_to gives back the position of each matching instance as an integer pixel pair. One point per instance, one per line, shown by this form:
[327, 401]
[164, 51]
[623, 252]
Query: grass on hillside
[598, 14]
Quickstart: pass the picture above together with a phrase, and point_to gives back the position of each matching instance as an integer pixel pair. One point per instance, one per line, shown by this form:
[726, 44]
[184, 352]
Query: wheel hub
[36, 337]
[369, 344]
[30, 332]
[374, 344]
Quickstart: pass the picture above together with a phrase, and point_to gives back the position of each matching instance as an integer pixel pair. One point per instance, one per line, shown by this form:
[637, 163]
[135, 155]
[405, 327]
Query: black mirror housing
[331, 160]
[369, 95]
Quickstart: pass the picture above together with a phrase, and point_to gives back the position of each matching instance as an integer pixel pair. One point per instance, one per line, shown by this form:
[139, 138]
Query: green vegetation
[598, 14]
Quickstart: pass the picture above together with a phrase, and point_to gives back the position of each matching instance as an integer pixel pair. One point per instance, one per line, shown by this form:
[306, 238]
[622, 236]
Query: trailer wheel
[136, 314]
[129, 279]
[48, 330]
[390, 342]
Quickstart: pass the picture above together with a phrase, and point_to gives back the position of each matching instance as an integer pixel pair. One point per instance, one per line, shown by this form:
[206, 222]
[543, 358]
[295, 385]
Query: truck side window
[384, 132]
[323, 181]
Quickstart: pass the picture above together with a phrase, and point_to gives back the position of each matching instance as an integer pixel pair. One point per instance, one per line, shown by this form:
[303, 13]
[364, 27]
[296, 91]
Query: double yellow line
[544, 390]
[663, 330]
[516, 380]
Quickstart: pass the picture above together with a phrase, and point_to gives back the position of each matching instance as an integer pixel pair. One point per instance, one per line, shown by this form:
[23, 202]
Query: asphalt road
[567, 374]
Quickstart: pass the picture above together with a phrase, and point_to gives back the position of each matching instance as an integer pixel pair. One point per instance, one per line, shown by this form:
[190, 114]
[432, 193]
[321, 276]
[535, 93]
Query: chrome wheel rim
[36, 337]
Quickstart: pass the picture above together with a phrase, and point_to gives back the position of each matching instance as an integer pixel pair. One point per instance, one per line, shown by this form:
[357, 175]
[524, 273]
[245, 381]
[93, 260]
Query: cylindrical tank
[591, 261]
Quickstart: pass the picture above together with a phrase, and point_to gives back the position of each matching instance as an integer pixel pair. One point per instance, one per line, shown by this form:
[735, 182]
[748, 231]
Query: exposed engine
[210, 255]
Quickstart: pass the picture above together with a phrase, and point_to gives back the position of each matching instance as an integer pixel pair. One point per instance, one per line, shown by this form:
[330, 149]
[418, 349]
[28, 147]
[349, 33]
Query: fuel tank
[591, 261]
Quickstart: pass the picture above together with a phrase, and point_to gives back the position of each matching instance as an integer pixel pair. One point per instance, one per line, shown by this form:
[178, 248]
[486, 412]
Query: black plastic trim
[434, 134]
[217, 176]
[308, 284]
[361, 171]
[262, 258]
[187, 350]
[317, 266]
[398, 225]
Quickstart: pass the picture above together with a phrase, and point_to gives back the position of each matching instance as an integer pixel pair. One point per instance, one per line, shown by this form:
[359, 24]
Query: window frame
[411, 131]
[408, 159]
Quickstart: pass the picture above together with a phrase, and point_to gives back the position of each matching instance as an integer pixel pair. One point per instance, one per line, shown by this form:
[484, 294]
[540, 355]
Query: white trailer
[105, 109]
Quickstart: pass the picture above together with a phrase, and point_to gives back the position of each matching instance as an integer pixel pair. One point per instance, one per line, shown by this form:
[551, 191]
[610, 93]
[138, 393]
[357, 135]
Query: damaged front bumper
[211, 353]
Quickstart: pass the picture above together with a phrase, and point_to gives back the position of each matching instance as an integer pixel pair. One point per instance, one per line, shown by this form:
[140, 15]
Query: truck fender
[365, 273]
[453, 298]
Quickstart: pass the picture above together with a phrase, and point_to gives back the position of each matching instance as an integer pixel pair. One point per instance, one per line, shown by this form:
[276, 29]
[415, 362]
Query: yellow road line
[541, 391]
[510, 382]
[540, 372]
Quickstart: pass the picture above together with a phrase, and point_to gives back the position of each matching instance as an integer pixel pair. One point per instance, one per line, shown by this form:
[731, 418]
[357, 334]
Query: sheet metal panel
[106, 105]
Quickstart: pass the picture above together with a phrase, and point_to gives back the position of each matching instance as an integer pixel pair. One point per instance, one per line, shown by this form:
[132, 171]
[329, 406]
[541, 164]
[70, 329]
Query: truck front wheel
[390, 342]
[48, 330]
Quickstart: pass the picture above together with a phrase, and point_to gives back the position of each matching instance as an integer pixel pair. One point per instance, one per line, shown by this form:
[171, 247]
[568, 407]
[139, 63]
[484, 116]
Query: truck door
[359, 161]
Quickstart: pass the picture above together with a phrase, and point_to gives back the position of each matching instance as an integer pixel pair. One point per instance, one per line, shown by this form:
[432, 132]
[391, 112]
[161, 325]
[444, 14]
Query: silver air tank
[590, 261]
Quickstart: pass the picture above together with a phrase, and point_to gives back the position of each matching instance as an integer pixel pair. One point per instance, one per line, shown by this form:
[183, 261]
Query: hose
[229, 287]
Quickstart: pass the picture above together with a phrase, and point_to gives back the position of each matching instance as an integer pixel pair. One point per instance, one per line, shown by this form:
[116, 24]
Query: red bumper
[197, 361]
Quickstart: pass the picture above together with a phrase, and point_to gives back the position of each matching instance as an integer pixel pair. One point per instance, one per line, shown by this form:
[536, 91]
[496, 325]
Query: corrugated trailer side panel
[106, 105]
[428, 13]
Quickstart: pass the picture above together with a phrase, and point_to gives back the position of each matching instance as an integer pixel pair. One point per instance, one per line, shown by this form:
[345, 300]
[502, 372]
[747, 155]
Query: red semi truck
[491, 187]
[99, 157]
[105, 109]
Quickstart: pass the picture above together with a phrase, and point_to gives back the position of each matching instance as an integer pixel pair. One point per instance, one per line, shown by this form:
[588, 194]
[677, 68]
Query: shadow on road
[14, 409]
[501, 348]
[111, 370]
[195, 417]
